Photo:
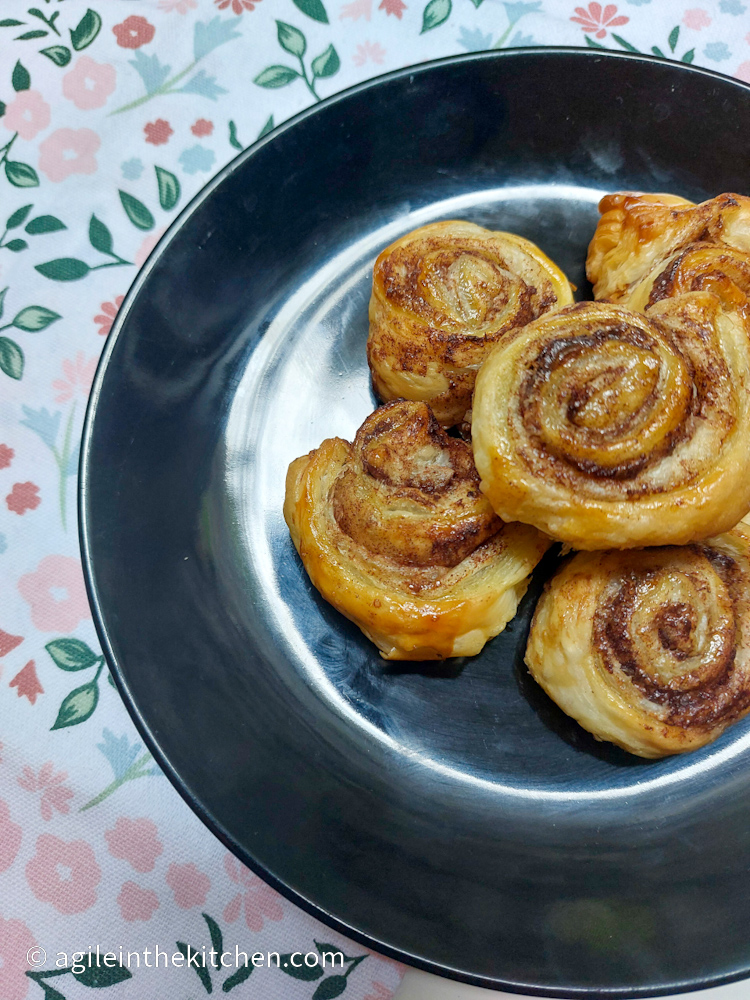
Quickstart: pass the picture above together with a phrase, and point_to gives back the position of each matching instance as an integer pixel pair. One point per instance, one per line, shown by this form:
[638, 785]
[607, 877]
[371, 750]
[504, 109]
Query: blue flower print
[132, 169]
[197, 158]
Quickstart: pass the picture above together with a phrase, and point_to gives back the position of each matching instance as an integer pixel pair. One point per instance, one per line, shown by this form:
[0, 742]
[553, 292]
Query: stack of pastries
[620, 427]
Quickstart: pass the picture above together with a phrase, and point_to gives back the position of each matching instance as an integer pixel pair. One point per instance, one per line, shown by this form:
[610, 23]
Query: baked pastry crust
[649, 649]
[442, 296]
[607, 428]
[638, 232]
[395, 534]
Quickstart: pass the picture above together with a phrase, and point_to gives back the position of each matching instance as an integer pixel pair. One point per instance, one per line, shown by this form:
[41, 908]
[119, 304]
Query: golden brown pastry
[607, 428]
[710, 267]
[442, 296]
[395, 534]
[638, 232]
[649, 649]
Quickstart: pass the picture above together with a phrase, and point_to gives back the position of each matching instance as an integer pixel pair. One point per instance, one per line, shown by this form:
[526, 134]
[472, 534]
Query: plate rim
[212, 823]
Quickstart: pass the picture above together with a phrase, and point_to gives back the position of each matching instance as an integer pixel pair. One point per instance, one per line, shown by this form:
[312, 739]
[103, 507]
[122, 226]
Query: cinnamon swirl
[607, 428]
[442, 296]
[394, 533]
[649, 649]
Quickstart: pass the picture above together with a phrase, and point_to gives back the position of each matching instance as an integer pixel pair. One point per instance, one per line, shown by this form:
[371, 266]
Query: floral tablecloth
[112, 117]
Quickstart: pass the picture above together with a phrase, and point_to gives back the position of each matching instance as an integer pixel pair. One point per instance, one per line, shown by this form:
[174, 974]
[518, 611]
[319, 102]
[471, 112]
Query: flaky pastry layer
[638, 232]
[442, 296]
[607, 428]
[649, 649]
[395, 534]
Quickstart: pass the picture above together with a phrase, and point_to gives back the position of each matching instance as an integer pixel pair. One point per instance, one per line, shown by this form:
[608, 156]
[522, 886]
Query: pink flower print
[89, 83]
[28, 114]
[64, 874]
[202, 127]
[743, 72]
[23, 497]
[56, 593]
[69, 151]
[135, 840]
[147, 246]
[357, 9]
[107, 316]
[181, 6]
[27, 683]
[257, 899]
[9, 642]
[136, 903]
[380, 991]
[238, 6]
[597, 20]
[55, 794]
[189, 885]
[6, 456]
[10, 842]
[134, 32]
[16, 940]
[696, 19]
[396, 7]
[371, 51]
[79, 374]
[158, 132]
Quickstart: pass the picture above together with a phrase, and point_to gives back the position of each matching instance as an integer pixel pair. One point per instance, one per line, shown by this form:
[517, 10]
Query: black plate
[450, 817]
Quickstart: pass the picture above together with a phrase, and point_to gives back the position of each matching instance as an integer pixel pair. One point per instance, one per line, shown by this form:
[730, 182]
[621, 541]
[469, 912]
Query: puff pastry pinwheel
[607, 428]
[442, 296]
[649, 649]
[638, 232]
[395, 534]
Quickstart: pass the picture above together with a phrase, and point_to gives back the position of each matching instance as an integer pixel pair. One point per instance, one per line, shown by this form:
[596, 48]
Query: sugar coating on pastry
[442, 296]
[638, 232]
[607, 428]
[394, 532]
[649, 649]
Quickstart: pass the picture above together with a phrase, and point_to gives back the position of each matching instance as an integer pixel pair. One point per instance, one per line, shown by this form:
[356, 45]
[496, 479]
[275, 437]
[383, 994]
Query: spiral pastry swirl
[442, 296]
[710, 267]
[637, 233]
[394, 532]
[607, 428]
[649, 649]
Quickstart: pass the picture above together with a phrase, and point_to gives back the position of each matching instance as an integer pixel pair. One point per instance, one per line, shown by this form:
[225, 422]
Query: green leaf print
[625, 44]
[276, 76]
[689, 56]
[64, 269]
[34, 318]
[28, 35]
[305, 972]
[11, 358]
[78, 706]
[100, 237]
[97, 977]
[436, 13]
[169, 188]
[21, 80]
[44, 224]
[136, 211]
[15, 246]
[268, 127]
[244, 972]
[233, 140]
[313, 9]
[10, 22]
[86, 30]
[72, 654]
[217, 938]
[330, 988]
[59, 54]
[291, 39]
[326, 64]
[674, 35]
[21, 174]
[201, 970]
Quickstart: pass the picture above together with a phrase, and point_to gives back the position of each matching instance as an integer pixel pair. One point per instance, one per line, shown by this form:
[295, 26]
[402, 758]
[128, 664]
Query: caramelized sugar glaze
[394, 532]
[442, 296]
[649, 649]
[607, 428]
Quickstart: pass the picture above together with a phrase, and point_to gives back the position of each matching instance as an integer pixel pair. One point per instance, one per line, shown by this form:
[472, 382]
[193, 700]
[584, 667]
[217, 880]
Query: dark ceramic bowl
[449, 816]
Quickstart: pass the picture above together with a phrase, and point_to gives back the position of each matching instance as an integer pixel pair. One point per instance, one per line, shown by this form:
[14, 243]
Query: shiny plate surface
[449, 815]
